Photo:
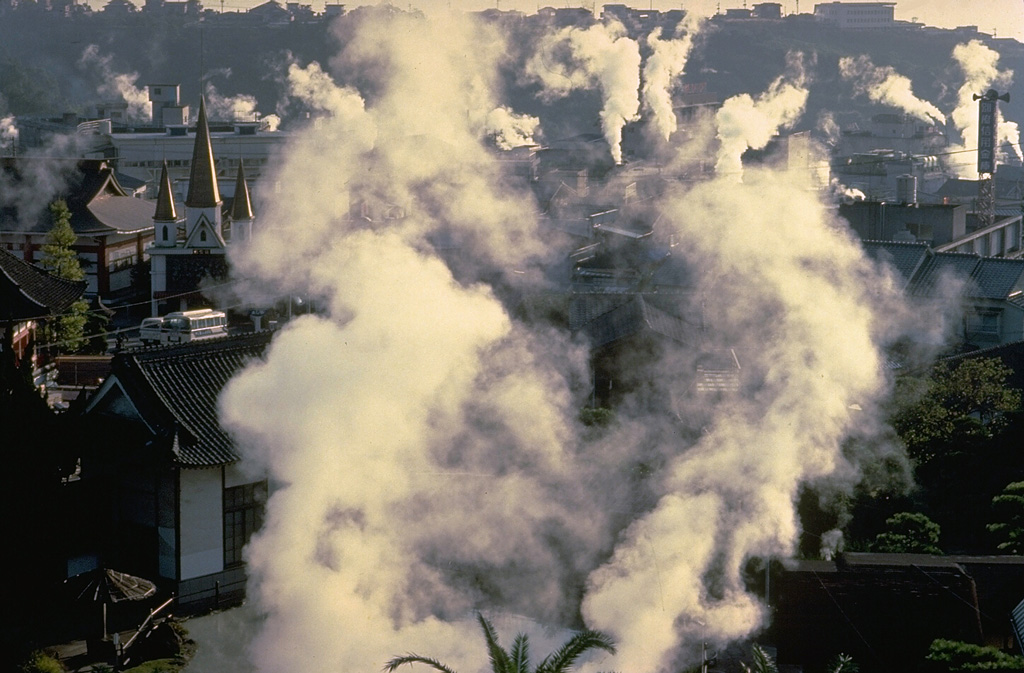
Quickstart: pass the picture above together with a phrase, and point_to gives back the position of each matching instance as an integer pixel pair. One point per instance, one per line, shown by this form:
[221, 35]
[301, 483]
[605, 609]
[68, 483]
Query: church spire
[241, 206]
[164, 200]
[202, 179]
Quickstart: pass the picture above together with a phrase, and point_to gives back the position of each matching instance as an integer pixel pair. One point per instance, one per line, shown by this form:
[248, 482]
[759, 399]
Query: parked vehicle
[184, 326]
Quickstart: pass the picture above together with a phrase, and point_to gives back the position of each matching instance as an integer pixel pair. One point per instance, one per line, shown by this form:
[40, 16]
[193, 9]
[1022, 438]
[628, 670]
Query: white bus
[184, 326]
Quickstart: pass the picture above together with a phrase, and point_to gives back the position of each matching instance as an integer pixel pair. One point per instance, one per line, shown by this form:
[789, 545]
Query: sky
[1004, 17]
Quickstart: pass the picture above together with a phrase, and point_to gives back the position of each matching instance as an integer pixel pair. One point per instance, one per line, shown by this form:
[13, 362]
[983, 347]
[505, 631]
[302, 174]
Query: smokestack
[906, 190]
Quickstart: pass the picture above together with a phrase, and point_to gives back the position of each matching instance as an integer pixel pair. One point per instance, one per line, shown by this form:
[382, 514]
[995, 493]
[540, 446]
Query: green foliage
[960, 400]
[951, 656]
[908, 533]
[67, 330]
[1008, 512]
[41, 662]
[518, 659]
[596, 416]
[843, 663]
[761, 661]
[58, 256]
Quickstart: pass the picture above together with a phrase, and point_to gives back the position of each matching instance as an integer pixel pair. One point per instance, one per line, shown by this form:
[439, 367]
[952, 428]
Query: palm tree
[517, 660]
[763, 662]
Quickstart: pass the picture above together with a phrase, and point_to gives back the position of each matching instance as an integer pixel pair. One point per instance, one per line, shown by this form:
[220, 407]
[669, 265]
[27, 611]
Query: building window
[202, 235]
[983, 322]
[243, 514]
[165, 232]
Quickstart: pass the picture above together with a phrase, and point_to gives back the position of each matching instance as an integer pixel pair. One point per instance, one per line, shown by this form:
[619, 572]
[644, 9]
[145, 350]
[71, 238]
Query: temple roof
[28, 291]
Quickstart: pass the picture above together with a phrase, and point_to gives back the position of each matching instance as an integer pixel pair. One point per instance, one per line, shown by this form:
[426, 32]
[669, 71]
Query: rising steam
[119, 86]
[748, 123]
[601, 56]
[882, 84]
[666, 62]
[424, 439]
[980, 66]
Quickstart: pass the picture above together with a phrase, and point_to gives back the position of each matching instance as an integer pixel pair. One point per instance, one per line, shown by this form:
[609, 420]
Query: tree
[959, 400]
[762, 662]
[1008, 510]
[517, 660]
[908, 533]
[952, 656]
[66, 330]
[843, 663]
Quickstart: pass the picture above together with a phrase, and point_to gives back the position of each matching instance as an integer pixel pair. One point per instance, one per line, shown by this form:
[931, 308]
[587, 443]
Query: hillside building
[856, 15]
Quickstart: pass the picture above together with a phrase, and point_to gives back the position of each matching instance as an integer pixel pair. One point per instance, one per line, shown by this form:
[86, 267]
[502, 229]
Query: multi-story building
[856, 15]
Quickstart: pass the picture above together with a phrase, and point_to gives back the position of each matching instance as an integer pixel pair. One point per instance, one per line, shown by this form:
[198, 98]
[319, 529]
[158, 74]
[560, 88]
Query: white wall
[202, 522]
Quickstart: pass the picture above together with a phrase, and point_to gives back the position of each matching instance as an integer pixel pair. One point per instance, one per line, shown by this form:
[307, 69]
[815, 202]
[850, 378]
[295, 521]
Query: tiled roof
[996, 278]
[635, 316]
[906, 258]
[182, 384]
[28, 291]
[940, 268]
[98, 203]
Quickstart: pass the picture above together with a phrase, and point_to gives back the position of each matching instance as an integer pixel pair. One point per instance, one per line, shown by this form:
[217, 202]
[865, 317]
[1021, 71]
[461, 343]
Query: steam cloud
[424, 440]
[980, 66]
[883, 84]
[601, 55]
[116, 85]
[666, 62]
[8, 133]
[241, 107]
[748, 123]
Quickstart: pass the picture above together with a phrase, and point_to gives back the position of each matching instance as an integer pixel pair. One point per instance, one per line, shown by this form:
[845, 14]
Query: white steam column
[988, 119]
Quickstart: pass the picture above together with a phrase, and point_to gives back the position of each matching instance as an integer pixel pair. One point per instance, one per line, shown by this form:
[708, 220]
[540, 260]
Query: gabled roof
[203, 191]
[98, 203]
[28, 291]
[176, 389]
[923, 270]
[634, 317]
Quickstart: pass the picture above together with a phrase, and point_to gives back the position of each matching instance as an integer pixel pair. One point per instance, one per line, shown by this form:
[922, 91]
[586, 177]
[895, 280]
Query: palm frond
[416, 659]
[843, 663]
[563, 659]
[521, 654]
[763, 663]
[500, 662]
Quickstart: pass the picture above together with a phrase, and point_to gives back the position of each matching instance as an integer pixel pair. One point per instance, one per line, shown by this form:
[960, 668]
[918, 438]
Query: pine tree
[66, 330]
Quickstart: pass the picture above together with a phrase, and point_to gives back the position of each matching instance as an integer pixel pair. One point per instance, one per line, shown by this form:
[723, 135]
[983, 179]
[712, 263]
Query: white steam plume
[980, 66]
[424, 441]
[116, 85]
[666, 62]
[748, 123]
[883, 84]
[676, 577]
[600, 55]
[509, 129]
[8, 134]
[241, 107]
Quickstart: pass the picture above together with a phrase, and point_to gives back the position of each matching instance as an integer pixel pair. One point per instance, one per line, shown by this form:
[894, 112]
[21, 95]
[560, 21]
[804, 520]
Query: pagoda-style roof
[98, 203]
[28, 291]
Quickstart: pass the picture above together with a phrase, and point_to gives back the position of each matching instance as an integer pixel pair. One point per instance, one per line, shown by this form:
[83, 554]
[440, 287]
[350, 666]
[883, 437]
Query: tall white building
[856, 15]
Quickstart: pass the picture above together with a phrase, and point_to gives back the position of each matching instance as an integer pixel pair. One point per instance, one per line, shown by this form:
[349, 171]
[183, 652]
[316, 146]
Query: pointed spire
[164, 201]
[202, 179]
[241, 206]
